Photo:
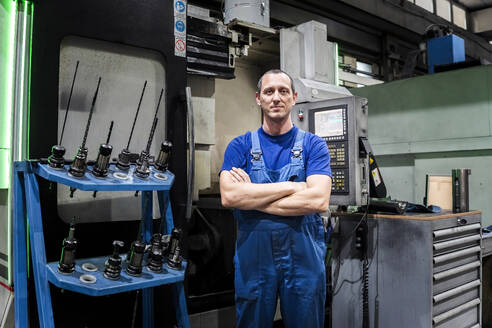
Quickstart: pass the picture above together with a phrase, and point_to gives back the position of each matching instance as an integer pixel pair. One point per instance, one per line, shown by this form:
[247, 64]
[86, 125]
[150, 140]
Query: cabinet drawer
[452, 256]
[457, 296]
[455, 231]
[465, 315]
[454, 244]
[453, 281]
[460, 262]
[456, 222]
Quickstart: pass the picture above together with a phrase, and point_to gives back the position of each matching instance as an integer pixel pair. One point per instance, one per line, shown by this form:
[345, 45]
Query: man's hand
[239, 175]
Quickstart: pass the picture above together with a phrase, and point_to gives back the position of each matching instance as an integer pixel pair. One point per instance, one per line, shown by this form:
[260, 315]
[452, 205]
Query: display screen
[328, 123]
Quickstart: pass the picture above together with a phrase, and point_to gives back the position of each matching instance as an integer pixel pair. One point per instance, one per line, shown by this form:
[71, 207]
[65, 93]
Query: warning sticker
[180, 47]
[376, 177]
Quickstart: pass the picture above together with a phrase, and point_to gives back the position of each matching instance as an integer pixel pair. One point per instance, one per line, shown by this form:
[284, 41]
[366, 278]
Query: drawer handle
[457, 254]
[457, 310]
[456, 291]
[453, 271]
[456, 242]
[450, 231]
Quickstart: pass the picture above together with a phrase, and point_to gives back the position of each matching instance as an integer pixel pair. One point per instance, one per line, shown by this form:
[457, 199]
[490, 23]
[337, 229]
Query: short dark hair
[275, 71]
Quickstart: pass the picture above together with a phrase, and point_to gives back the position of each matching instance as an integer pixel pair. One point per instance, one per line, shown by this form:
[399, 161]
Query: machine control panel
[330, 123]
[342, 123]
[338, 183]
[338, 154]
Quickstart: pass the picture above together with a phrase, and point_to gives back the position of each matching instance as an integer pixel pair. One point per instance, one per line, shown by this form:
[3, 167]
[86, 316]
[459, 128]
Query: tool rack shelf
[111, 183]
[103, 286]
[27, 204]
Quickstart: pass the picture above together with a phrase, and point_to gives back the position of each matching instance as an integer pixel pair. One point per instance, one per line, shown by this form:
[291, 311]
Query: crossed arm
[280, 198]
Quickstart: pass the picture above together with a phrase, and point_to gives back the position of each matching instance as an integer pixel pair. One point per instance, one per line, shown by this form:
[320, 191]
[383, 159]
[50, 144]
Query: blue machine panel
[447, 49]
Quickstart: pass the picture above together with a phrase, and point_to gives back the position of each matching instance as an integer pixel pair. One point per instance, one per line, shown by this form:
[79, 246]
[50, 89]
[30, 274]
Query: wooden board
[439, 191]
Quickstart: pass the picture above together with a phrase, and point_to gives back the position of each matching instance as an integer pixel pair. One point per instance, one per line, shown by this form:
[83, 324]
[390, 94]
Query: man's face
[276, 97]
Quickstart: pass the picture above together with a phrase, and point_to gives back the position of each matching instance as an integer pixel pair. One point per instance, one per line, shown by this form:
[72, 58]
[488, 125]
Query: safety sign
[180, 47]
[179, 6]
[180, 26]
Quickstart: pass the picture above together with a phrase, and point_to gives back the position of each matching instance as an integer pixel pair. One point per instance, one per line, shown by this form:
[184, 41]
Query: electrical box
[447, 49]
[342, 123]
[249, 11]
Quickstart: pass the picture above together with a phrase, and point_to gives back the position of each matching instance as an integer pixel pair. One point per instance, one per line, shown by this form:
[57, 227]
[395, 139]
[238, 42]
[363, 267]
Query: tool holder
[27, 205]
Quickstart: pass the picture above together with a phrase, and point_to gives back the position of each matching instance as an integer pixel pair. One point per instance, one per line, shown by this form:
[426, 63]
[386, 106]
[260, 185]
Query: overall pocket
[246, 266]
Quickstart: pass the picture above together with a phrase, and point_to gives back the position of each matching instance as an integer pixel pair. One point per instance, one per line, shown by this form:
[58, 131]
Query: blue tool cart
[27, 213]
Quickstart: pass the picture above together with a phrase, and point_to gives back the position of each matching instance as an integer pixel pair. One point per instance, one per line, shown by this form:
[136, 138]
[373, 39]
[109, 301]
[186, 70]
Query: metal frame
[27, 205]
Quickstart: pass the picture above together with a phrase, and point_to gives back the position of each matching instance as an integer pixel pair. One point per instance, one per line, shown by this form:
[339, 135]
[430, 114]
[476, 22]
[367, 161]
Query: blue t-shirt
[276, 151]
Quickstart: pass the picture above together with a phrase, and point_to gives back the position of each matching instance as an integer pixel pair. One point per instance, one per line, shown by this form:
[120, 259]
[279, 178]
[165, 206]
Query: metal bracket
[256, 156]
[296, 153]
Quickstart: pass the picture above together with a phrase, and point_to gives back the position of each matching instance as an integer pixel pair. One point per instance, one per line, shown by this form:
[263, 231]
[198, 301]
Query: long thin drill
[69, 100]
[136, 115]
[90, 114]
[154, 124]
[142, 170]
[56, 159]
[124, 156]
[79, 164]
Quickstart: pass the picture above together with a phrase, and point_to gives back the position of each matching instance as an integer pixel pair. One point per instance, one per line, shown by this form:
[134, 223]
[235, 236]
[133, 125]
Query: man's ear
[258, 102]
[295, 97]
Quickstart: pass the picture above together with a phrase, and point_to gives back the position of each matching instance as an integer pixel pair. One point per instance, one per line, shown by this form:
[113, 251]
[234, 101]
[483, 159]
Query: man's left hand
[239, 175]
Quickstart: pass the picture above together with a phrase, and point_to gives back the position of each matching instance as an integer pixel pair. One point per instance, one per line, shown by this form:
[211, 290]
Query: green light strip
[17, 105]
[337, 81]
[7, 94]
[22, 81]
[28, 109]
[10, 103]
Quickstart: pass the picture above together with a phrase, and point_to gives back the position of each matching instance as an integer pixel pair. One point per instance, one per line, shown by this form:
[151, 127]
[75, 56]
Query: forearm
[314, 199]
[304, 202]
[248, 196]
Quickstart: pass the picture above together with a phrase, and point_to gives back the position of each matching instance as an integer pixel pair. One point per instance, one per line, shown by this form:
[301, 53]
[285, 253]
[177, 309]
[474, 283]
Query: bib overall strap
[297, 149]
[255, 148]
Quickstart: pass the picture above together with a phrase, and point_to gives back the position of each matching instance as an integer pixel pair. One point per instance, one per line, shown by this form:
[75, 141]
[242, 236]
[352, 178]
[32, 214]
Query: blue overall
[278, 255]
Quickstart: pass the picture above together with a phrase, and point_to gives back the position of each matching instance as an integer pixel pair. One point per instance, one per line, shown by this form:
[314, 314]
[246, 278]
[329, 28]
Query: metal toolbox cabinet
[424, 271]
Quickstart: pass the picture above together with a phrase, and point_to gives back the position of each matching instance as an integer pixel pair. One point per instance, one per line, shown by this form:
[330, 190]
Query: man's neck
[276, 128]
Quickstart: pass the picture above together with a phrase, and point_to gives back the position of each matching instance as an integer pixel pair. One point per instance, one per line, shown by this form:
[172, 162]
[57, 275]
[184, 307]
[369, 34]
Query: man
[278, 178]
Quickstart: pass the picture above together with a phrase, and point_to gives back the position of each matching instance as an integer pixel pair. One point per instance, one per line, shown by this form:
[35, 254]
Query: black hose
[365, 292]
[191, 168]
